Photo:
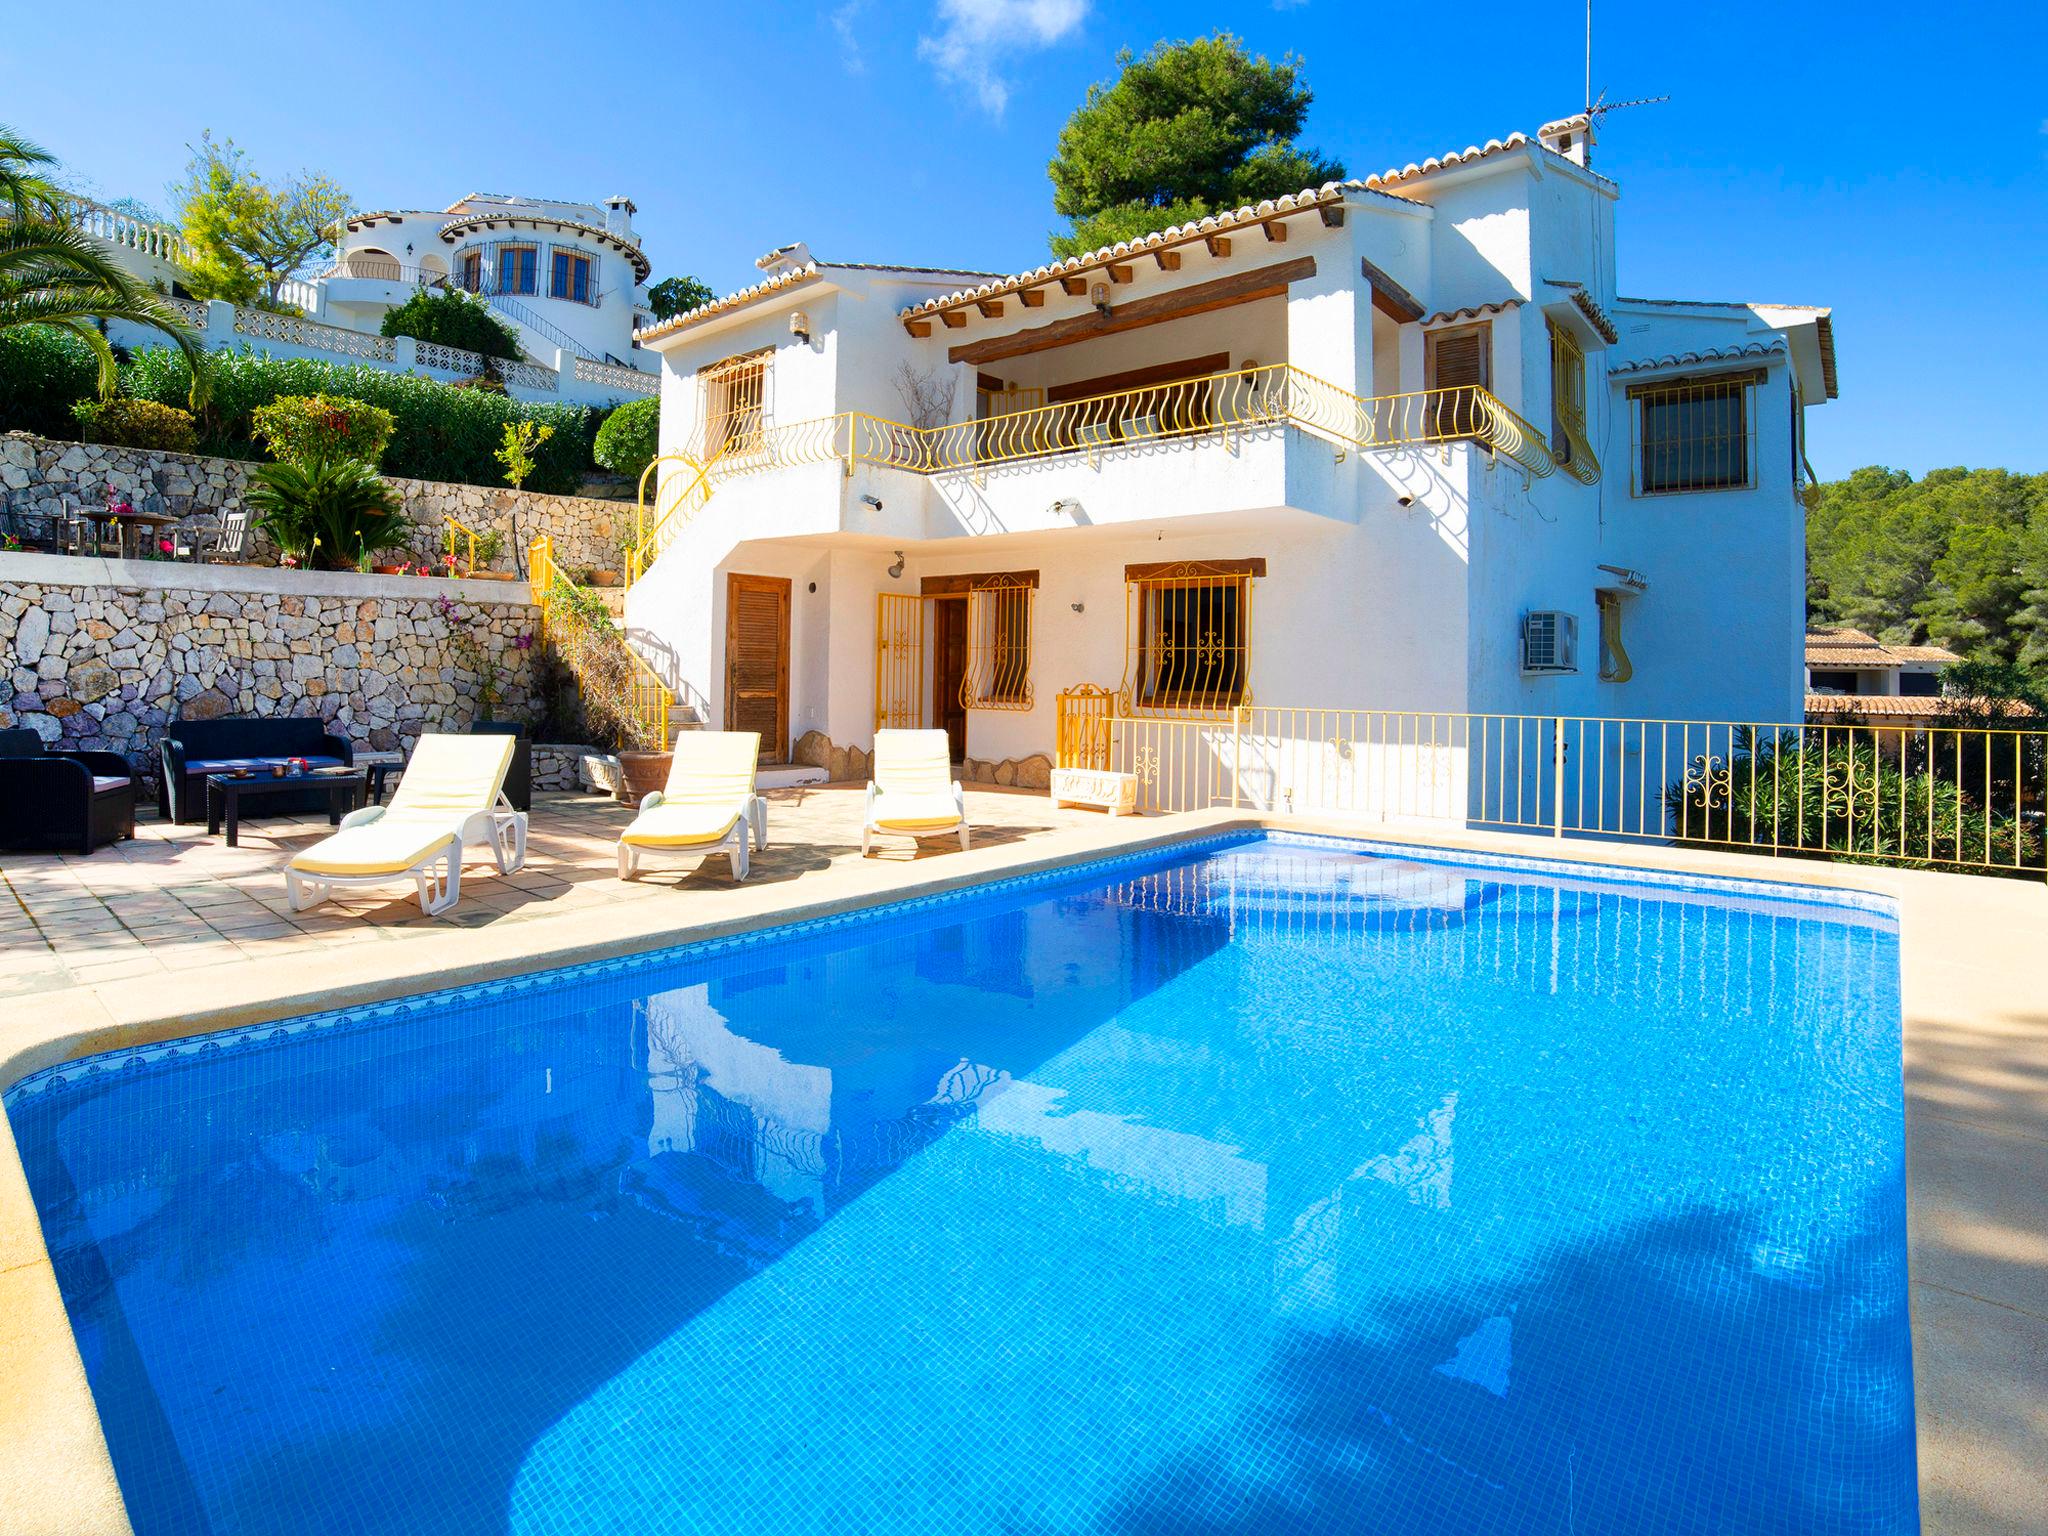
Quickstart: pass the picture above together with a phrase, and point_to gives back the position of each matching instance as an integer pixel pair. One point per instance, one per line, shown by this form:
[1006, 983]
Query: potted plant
[484, 553]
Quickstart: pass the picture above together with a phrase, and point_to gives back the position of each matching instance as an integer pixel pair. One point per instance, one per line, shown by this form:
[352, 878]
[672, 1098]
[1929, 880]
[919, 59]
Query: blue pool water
[1274, 1186]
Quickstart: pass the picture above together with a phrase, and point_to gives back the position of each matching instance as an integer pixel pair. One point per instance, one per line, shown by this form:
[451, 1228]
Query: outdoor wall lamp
[1099, 297]
[896, 570]
[800, 326]
[872, 501]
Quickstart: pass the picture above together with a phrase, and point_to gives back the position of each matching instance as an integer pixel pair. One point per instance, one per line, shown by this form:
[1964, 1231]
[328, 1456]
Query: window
[998, 648]
[735, 403]
[1694, 434]
[1919, 685]
[1189, 647]
[1459, 363]
[1570, 443]
[1831, 682]
[517, 268]
[995, 670]
[569, 277]
[470, 270]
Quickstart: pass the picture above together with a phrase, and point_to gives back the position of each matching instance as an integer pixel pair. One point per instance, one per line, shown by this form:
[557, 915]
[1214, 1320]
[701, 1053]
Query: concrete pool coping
[1976, 1023]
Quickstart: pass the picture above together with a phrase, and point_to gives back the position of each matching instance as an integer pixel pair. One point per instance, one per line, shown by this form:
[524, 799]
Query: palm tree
[52, 274]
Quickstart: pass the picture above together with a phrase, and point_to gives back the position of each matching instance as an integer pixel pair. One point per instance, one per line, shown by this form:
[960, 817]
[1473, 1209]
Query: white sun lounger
[451, 797]
[913, 791]
[708, 804]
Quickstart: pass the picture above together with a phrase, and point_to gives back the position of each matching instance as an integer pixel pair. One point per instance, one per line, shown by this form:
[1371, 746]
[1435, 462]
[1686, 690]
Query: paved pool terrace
[174, 935]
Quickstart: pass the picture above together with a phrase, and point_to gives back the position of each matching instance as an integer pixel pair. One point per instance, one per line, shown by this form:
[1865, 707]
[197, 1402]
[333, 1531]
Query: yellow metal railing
[456, 531]
[615, 679]
[1972, 798]
[1222, 404]
[1213, 405]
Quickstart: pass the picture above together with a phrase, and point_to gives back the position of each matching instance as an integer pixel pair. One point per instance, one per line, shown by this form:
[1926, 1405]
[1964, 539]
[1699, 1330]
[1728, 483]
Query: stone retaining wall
[102, 654]
[854, 765]
[38, 473]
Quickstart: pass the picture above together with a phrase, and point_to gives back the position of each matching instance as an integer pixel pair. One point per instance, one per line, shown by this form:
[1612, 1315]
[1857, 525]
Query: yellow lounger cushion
[916, 810]
[680, 826]
[382, 847]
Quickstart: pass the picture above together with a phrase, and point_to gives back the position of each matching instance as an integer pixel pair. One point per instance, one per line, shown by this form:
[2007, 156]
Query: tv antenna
[1597, 108]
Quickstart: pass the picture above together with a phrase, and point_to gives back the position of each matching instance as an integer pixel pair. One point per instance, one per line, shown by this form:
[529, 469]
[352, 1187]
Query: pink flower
[165, 546]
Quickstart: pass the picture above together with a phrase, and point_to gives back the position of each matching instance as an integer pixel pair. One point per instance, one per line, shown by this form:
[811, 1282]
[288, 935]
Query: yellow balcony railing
[1216, 405]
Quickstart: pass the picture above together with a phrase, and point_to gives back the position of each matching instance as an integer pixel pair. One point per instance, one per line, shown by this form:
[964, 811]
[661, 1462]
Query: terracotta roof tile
[1703, 355]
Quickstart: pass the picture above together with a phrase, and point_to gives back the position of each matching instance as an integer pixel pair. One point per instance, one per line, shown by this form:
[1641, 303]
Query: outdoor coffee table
[225, 792]
[380, 766]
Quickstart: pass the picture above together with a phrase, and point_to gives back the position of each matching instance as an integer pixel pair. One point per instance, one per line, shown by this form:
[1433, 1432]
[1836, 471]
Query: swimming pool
[1267, 1184]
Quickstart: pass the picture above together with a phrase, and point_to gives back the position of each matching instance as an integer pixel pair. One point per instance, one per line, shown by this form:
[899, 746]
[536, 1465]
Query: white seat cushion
[99, 784]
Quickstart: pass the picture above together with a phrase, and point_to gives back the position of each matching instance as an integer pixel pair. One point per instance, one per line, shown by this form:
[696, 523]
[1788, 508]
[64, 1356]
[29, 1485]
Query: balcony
[1230, 432]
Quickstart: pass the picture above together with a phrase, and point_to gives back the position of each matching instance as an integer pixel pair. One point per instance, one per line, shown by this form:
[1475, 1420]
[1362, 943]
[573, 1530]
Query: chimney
[1571, 137]
[618, 217]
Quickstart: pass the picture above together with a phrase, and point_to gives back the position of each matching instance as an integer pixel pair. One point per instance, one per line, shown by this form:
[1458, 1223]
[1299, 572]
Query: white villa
[1390, 444]
[569, 278]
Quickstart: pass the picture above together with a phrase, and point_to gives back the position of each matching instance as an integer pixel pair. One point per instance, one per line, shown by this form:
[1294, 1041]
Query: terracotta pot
[493, 575]
[604, 578]
[644, 773]
[387, 570]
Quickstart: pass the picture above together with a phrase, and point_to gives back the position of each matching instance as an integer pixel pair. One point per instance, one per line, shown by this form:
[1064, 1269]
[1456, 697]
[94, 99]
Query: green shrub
[452, 318]
[439, 432]
[303, 428]
[630, 438]
[43, 373]
[328, 514]
[136, 424]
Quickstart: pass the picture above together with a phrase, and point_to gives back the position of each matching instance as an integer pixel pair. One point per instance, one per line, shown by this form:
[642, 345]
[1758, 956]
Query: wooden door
[757, 660]
[949, 670]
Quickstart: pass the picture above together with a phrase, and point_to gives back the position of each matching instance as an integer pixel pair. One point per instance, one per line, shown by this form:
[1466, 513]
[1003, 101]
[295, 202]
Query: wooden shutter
[1458, 358]
[757, 660]
[1459, 366]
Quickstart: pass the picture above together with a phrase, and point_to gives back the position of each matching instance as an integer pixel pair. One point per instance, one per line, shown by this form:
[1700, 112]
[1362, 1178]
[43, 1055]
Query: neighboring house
[569, 278]
[1847, 661]
[1852, 676]
[1384, 444]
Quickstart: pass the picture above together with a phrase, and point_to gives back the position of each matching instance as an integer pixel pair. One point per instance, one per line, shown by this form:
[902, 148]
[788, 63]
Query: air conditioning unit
[1550, 641]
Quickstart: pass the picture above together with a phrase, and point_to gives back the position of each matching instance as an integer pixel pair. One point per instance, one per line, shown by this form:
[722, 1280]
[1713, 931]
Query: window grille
[1570, 441]
[735, 404]
[998, 674]
[569, 276]
[518, 268]
[1188, 647]
[1695, 434]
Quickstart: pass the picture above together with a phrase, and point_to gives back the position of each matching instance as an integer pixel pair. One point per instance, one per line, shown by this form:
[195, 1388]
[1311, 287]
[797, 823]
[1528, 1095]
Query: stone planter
[642, 773]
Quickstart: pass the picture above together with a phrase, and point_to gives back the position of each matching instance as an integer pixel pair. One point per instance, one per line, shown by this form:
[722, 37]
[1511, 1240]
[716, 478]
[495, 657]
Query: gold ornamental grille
[998, 673]
[1188, 637]
[1570, 441]
[735, 404]
[899, 660]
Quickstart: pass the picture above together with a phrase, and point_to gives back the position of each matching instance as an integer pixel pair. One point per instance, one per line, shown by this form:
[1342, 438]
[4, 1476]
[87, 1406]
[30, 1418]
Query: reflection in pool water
[1285, 1187]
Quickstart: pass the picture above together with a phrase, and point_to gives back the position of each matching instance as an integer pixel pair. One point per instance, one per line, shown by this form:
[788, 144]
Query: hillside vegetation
[1958, 558]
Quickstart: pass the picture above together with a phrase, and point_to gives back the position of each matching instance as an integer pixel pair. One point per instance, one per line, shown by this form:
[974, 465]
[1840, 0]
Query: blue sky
[1880, 158]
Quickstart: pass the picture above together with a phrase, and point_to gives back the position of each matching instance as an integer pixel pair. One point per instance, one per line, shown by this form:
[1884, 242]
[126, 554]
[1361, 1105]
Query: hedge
[441, 432]
[136, 424]
[43, 373]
